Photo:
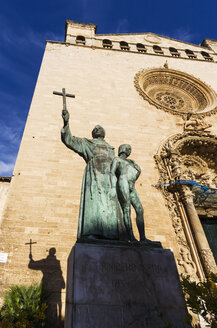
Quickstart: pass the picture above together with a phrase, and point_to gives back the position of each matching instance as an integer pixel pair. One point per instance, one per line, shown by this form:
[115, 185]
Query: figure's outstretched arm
[70, 141]
[35, 265]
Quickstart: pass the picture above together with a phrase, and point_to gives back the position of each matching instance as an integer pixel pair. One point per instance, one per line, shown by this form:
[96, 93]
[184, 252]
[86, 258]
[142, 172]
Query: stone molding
[190, 149]
[208, 260]
[185, 263]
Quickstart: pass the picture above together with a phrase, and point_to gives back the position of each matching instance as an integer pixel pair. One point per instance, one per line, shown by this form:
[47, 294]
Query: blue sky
[26, 25]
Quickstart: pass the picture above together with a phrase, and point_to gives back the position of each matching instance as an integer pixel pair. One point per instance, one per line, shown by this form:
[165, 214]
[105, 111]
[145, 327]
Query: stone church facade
[157, 94]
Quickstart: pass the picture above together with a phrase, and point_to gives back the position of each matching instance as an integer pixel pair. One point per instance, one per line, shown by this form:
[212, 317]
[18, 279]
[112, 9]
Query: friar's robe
[98, 210]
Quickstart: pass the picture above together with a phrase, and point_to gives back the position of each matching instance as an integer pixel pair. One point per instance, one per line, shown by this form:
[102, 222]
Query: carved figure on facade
[189, 267]
[167, 150]
[196, 169]
[204, 179]
[175, 165]
[188, 175]
[193, 123]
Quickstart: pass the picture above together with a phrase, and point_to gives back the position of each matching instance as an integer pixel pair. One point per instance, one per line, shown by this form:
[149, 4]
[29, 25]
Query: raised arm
[70, 141]
[36, 265]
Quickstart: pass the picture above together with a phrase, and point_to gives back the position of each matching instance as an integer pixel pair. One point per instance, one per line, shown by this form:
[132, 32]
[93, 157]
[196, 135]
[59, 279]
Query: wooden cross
[30, 245]
[64, 94]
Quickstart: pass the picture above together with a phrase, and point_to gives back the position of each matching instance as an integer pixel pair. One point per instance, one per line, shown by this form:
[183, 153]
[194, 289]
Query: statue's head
[98, 132]
[125, 148]
[52, 251]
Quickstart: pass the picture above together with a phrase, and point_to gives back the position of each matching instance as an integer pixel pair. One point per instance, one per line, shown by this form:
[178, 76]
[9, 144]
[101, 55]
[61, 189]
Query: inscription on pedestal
[123, 287]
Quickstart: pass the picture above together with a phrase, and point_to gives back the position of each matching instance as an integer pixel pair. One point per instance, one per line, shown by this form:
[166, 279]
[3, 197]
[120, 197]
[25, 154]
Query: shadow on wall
[52, 284]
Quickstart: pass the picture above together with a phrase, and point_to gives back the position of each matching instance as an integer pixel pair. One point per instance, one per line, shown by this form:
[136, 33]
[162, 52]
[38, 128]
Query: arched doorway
[187, 163]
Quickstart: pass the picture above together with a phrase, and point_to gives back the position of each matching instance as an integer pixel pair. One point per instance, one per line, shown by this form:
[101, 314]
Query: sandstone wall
[4, 187]
[43, 202]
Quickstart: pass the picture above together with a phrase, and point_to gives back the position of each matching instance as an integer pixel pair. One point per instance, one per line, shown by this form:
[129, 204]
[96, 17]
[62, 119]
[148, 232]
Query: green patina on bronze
[108, 188]
[124, 173]
[99, 212]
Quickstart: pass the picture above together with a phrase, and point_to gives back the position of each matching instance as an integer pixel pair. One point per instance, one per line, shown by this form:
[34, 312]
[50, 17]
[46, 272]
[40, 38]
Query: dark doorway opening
[210, 230]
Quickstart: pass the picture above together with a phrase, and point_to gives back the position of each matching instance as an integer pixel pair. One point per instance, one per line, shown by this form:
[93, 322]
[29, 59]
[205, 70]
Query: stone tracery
[176, 92]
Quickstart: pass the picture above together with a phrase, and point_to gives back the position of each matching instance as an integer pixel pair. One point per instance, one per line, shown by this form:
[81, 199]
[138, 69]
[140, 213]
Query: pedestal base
[123, 287]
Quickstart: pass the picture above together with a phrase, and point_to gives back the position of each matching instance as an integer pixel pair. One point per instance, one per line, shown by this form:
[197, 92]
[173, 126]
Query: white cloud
[6, 169]
[24, 36]
[182, 34]
[122, 26]
[29, 37]
[12, 131]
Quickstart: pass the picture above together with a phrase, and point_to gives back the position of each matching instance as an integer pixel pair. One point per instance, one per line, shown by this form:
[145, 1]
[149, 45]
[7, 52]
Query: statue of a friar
[98, 218]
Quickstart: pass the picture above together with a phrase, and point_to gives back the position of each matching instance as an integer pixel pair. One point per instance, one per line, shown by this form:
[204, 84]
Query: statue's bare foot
[145, 240]
[133, 240]
[151, 243]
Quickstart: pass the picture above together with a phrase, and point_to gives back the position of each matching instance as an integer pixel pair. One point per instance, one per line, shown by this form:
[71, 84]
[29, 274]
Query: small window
[158, 50]
[124, 45]
[206, 56]
[141, 47]
[80, 39]
[174, 52]
[190, 54]
[107, 43]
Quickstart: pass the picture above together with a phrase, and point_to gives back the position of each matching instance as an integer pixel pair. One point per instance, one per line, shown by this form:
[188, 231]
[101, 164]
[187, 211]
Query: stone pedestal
[123, 287]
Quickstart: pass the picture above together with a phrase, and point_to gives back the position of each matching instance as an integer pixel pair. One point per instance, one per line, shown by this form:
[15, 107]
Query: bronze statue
[124, 173]
[98, 218]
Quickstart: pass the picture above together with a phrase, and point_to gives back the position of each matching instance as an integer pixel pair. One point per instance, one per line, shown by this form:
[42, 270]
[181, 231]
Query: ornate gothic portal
[175, 92]
[188, 179]
[188, 164]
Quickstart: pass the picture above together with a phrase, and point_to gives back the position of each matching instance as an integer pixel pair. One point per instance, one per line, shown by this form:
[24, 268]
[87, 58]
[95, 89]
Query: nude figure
[124, 173]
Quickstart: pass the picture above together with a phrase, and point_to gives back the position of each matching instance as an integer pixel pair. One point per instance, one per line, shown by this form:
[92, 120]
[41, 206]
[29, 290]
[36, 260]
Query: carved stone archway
[184, 161]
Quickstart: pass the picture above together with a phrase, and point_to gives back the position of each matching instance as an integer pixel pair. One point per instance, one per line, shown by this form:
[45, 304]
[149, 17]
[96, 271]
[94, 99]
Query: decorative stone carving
[195, 124]
[175, 166]
[152, 38]
[188, 156]
[205, 179]
[188, 175]
[214, 181]
[189, 267]
[184, 262]
[208, 260]
[175, 92]
[167, 149]
[166, 64]
[186, 193]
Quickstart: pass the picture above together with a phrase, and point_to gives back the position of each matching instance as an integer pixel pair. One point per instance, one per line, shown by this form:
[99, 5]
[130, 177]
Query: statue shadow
[52, 285]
